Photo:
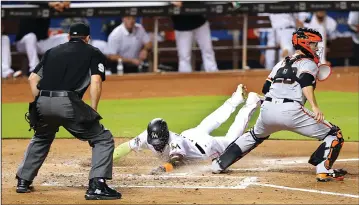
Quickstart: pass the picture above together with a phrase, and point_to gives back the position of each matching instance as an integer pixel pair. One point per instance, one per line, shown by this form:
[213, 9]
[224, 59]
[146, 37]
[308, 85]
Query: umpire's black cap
[79, 29]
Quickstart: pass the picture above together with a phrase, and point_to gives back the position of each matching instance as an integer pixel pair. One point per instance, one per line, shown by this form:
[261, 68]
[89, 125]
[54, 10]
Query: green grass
[130, 117]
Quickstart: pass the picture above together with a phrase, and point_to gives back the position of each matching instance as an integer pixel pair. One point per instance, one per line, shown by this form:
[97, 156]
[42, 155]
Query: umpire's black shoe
[98, 190]
[23, 186]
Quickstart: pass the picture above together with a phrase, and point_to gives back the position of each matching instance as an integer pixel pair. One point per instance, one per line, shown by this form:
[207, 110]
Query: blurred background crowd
[186, 44]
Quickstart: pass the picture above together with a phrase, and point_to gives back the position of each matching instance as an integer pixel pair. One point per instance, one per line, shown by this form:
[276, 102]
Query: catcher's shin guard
[334, 149]
[233, 153]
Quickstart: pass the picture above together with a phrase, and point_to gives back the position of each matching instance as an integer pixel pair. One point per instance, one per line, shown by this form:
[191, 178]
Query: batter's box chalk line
[243, 182]
[270, 164]
[306, 190]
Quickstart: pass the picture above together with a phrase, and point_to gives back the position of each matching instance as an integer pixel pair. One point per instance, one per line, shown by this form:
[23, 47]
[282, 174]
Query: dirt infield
[276, 172]
[63, 177]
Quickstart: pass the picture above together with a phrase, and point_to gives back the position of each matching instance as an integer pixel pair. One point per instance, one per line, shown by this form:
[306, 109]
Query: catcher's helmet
[158, 134]
[301, 39]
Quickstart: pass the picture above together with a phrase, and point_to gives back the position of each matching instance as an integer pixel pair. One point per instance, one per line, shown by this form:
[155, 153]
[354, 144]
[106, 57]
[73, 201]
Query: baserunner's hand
[159, 170]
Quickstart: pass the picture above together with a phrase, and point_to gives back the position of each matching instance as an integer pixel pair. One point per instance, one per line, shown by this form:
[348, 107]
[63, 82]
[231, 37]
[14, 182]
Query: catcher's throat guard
[324, 72]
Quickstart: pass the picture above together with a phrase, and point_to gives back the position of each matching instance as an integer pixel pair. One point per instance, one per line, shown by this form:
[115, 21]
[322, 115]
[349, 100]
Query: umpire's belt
[48, 93]
[284, 100]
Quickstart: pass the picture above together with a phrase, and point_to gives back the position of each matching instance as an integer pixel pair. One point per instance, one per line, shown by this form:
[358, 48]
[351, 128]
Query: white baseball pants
[217, 118]
[5, 57]
[284, 39]
[184, 40]
[32, 47]
[270, 54]
[100, 44]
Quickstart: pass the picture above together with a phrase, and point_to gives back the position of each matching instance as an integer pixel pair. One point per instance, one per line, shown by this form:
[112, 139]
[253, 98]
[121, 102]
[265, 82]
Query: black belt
[285, 100]
[200, 149]
[284, 81]
[48, 93]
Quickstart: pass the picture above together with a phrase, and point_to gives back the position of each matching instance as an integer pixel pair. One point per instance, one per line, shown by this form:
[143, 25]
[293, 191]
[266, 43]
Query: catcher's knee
[334, 146]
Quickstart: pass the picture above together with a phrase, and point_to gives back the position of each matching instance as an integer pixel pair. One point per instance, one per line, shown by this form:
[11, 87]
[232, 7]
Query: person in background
[353, 22]
[6, 70]
[284, 25]
[32, 36]
[267, 38]
[327, 26]
[107, 28]
[186, 28]
[129, 45]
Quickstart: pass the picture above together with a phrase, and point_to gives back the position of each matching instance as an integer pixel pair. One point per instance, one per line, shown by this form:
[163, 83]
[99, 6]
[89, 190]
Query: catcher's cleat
[98, 190]
[337, 175]
[23, 186]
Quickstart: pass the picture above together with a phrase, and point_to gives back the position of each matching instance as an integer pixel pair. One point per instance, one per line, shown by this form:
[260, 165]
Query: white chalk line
[305, 190]
[243, 184]
[278, 163]
[299, 160]
[157, 177]
[177, 175]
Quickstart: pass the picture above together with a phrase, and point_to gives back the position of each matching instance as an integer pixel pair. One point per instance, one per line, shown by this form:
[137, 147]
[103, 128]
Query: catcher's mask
[158, 134]
[301, 40]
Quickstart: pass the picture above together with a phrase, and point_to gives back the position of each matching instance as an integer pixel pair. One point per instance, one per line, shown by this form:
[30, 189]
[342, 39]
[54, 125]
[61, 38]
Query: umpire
[58, 84]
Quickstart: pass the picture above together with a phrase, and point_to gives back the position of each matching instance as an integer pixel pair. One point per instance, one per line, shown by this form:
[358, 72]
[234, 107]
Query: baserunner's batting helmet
[158, 134]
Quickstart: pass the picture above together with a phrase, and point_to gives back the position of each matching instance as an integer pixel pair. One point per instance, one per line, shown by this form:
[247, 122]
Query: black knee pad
[318, 156]
[234, 153]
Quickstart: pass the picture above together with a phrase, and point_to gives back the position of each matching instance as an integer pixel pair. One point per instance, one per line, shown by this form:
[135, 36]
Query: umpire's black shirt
[69, 66]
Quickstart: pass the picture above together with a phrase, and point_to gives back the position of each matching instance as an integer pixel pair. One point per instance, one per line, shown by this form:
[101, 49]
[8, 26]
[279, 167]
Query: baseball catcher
[290, 84]
[195, 143]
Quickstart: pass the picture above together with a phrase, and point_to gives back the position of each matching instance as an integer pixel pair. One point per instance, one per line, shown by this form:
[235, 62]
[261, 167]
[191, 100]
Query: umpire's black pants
[80, 120]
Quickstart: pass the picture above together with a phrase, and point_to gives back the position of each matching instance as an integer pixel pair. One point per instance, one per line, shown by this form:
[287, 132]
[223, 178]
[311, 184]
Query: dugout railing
[240, 19]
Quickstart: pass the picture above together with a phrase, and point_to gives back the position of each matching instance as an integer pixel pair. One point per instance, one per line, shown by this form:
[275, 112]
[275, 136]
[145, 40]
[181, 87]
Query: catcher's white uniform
[197, 143]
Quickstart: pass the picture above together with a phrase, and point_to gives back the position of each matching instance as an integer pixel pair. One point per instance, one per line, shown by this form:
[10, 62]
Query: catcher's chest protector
[288, 73]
